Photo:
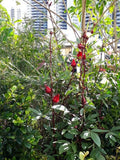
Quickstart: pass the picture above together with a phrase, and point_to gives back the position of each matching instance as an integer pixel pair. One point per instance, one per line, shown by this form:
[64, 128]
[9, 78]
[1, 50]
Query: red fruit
[73, 63]
[80, 46]
[56, 98]
[48, 89]
[79, 55]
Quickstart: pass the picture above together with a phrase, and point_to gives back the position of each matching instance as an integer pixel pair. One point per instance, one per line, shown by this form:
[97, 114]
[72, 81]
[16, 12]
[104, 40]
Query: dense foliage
[48, 110]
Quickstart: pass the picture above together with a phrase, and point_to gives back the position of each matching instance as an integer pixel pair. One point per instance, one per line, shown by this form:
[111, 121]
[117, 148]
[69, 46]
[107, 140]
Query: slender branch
[69, 18]
[56, 15]
[113, 41]
[50, 19]
[51, 79]
[106, 11]
[115, 32]
[50, 47]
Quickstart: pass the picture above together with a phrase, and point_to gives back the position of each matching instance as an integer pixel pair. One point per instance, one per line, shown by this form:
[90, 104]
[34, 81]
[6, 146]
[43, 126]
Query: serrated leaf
[95, 137]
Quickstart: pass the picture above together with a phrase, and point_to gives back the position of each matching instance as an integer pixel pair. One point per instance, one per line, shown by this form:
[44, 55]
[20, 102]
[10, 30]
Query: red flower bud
[51, 32]
[83, 100]
[50, 4]
[80, 46]
[56, 98]
[48, 89]
[102, 117]
[79, 55]
[85, 36]
[92, 32]
[73, 63]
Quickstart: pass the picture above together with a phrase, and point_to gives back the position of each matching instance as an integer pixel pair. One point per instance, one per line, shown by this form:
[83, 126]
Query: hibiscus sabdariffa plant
[78, 107]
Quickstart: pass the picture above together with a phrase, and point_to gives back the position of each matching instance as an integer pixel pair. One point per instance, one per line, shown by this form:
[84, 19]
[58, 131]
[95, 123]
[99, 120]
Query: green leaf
[61, 141]
[73, 131]
[68, 92]
[100, 157]
[113, 138]
[64, 147]
[9, 148]
[28, 145]
[35, 111]
[115, 128]
[81, 156]
[85, 134]
[69, 136]
[101, 10]
[13, 88]
[95, 137]
[100, 130]
[74, 147]
[61, 108]
[63, 131]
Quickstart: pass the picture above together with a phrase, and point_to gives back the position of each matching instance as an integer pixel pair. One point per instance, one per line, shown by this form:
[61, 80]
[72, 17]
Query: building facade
[39, 16]
[60, 10]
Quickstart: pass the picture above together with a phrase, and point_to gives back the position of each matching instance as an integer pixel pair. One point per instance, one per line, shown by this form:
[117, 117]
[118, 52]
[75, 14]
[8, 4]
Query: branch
[83, 14]
[50, 19]
[69, 18]
[106, 11]
[56, 15]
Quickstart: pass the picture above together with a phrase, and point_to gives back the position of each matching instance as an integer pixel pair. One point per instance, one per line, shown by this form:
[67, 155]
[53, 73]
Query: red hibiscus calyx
[48, 89]
[79, 55]
[73, 63]
[81, 46]
[102, 70]
[85, 36]
[84, 56]
[56, 98]
[51, 32]
[83, 100]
